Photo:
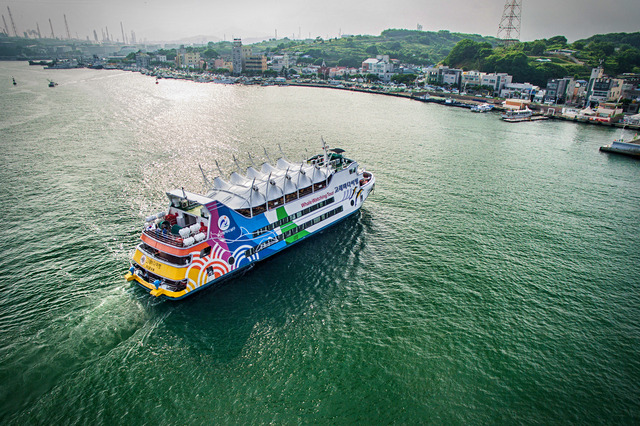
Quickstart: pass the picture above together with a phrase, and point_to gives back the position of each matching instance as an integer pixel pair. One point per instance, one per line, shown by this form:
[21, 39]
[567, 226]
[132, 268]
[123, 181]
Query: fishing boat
[52, 83]
[203, 239]
[482, 108]
[627, 147]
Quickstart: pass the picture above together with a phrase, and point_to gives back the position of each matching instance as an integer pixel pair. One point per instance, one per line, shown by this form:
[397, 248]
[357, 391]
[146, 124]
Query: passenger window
[205, 252]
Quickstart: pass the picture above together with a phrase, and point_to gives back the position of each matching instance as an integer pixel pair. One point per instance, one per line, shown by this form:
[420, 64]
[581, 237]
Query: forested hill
[539, 60]
[408, 46]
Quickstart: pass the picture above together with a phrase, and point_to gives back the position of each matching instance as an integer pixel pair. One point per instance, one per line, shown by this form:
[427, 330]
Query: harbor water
[493, 276]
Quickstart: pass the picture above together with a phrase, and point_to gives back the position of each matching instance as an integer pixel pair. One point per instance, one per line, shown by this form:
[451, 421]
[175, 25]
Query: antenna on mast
[206, 181]
[219, 169]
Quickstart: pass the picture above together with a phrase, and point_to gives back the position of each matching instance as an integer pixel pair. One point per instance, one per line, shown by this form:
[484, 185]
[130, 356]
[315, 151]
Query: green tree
[404, 78]
[559, 41]
[371, 77]
[468, 53]
[350, 62]
[372, 50]
[538, 47]
[210, 53]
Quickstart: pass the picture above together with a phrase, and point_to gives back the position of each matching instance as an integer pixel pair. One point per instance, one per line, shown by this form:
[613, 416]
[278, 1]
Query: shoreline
[460, 101]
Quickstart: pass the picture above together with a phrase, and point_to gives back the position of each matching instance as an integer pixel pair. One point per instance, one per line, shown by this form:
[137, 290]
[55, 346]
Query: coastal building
[186, 59]
[142, 60]
[596, 73]
[214, 64]
[608, 112]
[497, 81]
[515, 104]
[605, 89]
[255, 64]
[576, 92]
[470, 78]
[557, 90]
[278, 62]
[236, 56]
[443, 75]
[381, 65]
[519, 91]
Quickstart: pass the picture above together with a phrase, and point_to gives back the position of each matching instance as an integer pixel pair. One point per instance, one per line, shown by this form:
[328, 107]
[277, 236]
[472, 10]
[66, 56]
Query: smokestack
[124, 37]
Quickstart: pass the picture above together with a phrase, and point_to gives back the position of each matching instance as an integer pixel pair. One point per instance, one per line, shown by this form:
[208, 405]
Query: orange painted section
[176, 251]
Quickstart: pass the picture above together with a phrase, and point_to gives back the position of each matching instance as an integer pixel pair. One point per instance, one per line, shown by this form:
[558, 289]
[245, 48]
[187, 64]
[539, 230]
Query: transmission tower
[509, 28]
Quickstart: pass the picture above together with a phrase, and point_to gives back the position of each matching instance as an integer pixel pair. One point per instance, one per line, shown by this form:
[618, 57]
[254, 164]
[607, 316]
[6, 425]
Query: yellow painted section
[159, 268]
[156, 292]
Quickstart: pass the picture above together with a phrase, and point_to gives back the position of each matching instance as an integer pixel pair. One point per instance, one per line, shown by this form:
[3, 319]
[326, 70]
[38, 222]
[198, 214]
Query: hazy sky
[164, 20]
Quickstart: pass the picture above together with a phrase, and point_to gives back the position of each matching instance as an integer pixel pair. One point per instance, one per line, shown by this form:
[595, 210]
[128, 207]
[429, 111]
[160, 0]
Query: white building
[381, 66]
[519, 91]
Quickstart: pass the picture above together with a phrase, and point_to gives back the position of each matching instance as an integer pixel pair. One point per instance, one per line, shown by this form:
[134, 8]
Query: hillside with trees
[409, 46]
[540, 60]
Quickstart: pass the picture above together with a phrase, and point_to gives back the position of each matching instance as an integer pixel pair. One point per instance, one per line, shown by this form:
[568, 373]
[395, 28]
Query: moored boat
[514, 115]
[482, 108]
[627, 147]
[203, 239]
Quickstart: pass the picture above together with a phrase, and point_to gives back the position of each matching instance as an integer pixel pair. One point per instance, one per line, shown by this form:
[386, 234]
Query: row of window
[294, 216]
[168, 258]
[292, 231]
[272, 204]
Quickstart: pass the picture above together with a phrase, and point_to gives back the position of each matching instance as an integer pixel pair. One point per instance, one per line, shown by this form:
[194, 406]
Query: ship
[515, 115]
[203, 239]
[627, 147]
[482, 107]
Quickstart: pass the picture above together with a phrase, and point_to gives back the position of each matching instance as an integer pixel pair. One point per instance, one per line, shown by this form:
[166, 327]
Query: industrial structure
[509, 28]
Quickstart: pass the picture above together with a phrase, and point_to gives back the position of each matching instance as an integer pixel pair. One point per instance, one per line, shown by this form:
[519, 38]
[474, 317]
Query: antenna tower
[67, 27]
[13, 24]
[509, 28]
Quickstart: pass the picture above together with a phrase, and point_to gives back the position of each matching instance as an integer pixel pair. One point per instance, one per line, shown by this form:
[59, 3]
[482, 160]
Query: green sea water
[493, 276]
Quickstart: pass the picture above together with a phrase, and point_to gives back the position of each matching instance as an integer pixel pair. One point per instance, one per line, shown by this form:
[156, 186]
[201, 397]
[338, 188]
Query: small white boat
[482, 108]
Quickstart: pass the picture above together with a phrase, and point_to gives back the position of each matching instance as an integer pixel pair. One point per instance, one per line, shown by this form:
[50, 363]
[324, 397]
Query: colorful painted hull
[173, 267]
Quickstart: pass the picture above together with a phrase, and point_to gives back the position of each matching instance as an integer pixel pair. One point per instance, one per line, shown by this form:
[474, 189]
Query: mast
[51, 25]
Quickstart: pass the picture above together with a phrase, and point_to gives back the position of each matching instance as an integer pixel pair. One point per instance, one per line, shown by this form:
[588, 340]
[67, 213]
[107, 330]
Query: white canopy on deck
[269, 183]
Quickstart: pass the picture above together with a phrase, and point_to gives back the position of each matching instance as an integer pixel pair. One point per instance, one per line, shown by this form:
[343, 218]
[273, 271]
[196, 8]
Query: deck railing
[164, 237]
